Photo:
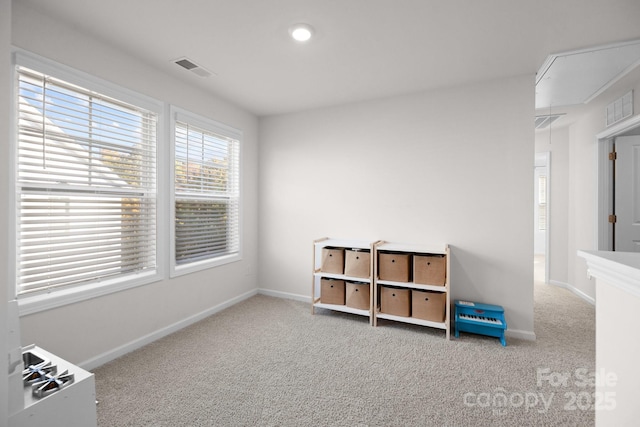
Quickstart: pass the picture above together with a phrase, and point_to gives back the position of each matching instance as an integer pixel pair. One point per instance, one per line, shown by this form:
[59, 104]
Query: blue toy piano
[483, 319]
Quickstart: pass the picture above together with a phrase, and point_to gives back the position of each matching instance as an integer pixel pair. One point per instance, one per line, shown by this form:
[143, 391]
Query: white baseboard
[523, 335]
[286, 295]
[574, 290]
[149, 338]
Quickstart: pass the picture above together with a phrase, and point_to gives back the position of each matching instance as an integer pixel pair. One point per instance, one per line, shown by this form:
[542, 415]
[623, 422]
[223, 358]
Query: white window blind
[207, 194]
[86, 185]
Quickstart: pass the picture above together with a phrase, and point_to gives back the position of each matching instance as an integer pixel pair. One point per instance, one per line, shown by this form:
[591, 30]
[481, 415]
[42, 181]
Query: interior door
[627, 194]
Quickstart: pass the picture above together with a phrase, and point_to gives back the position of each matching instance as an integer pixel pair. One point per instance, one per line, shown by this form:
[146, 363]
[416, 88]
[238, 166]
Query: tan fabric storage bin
[332, 291]
[394, 267]
[429, 269]
[332, 260]
[358, 295]
[396, 301]
[357, 262]
[428, 305]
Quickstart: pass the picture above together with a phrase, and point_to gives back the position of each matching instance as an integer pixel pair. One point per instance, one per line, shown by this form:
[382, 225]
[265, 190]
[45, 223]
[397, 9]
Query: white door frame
[604, 201]
[547, 232]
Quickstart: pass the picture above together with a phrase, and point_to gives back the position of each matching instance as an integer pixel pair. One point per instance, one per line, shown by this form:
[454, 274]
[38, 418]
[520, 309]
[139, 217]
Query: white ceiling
[363, 49]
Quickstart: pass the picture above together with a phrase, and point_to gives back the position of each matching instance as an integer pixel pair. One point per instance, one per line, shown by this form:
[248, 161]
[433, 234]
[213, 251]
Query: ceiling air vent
[188, 64]
[619, 109]
[546, 120]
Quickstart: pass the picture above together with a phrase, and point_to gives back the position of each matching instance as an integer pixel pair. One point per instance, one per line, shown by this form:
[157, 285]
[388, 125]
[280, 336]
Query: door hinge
[613, 155]
[613, 219]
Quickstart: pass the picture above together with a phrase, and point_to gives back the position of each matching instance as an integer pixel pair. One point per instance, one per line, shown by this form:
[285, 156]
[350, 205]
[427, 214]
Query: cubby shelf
[375, 248]
[412, 249]
[318, 275]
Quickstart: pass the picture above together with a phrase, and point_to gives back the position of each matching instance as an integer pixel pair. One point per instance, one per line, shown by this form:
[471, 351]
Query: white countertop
[621, 269]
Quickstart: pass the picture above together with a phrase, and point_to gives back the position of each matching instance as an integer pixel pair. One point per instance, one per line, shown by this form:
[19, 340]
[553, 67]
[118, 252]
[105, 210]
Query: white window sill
[179, 270]
[30, 304]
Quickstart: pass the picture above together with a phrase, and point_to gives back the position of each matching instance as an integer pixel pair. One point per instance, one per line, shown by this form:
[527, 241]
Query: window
[542, 202]
[206, 204]
[85, 185]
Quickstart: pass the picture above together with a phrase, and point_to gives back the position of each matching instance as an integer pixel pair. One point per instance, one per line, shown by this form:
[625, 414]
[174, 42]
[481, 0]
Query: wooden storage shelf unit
[319, 275]
[404, 250]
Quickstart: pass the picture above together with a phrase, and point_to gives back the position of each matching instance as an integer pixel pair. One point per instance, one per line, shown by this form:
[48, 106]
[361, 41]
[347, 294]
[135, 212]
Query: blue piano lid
[479, 306]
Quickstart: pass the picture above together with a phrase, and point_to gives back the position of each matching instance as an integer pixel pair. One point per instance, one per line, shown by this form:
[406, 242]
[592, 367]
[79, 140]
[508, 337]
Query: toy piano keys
[483, 319]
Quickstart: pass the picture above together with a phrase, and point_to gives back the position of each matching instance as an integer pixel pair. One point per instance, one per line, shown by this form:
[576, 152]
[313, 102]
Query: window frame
[179, 114]
[51, 298]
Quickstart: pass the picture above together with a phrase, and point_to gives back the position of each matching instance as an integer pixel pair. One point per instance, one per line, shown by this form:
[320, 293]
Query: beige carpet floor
[269, 362]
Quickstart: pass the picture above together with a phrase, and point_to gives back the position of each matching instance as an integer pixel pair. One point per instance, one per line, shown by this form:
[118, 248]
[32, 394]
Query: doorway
[615, 231]
[541, 185]
[626, 194]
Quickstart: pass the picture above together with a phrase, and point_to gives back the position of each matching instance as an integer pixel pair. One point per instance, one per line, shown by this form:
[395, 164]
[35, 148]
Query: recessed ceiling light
[301, 32]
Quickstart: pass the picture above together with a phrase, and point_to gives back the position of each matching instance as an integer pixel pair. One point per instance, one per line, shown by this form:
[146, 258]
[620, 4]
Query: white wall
[5, 108]
[616, 353]
[92, 329]
[556, 142]
[449, 166]
[583, 180]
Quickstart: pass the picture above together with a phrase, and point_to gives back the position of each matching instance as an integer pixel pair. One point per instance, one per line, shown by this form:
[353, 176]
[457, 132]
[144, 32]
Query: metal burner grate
[36, 373]
[51, 383]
